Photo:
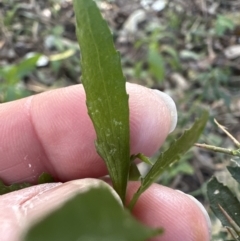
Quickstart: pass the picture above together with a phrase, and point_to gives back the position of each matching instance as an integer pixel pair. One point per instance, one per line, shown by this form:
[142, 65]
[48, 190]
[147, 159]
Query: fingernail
[202, 209]
[171, 106]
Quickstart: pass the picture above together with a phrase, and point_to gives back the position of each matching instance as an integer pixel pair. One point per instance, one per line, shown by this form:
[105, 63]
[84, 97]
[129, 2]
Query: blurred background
[189, 49]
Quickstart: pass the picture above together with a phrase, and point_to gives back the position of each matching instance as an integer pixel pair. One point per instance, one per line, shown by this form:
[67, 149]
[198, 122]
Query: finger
[182, 216]
[22, 208]
[53, 133]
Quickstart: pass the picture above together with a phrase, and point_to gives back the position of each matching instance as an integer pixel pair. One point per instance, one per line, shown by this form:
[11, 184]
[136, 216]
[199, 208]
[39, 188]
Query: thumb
[21, 208]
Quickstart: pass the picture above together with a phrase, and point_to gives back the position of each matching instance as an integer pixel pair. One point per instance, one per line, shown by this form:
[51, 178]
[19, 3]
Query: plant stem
[219, 149]
[134, 200]
[223, 128]
[142, 157]
[232, 234]
[234, 226]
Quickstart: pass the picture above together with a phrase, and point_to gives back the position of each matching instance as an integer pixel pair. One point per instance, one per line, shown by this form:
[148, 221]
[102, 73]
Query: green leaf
[156, 64]
[43, 178]
[27, 65]
[174, 61]
[13, 92]
[224, 204]
[222, 24]
[175, 151]
[15, 73]
[104, 84]
[6, 189]
[142, 157]
[235, 172]
[134, 174]
[91, 216]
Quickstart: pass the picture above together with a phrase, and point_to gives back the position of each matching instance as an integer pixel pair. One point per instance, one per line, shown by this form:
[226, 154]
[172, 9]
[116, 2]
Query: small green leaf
[45, 178]
[104, 84]
[175, 151]
[235, 172]
[16, 72]
[91, 216]
[142, 157]
[6, 189]
[222, 24]
[174, 61]
[134, 174]
[224, 204]
[27, 65]
[156, 64]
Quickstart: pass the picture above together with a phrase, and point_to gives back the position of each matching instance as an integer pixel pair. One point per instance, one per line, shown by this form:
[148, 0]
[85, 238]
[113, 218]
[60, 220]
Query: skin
[52, 132]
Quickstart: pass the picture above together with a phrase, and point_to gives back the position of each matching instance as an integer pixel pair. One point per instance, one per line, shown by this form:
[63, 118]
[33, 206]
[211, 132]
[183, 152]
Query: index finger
[53, 133]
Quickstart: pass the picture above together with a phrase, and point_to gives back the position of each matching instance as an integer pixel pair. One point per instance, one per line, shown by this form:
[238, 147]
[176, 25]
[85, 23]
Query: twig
[233, 224]
[223, 128]
[232, 234]
[219, 149]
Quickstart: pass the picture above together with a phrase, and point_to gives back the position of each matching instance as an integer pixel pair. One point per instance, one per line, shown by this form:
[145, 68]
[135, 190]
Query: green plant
[224, 201]
[223, 24]
[10, 77]
[159, 57]
[213, 82]
[43, 178]
[108, 108]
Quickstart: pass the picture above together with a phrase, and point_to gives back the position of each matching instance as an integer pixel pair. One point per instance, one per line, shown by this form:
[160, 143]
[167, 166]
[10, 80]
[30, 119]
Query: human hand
[52, 133]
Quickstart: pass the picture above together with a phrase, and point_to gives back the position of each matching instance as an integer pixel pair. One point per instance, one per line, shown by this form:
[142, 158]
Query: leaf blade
[4, 189]
[221, 198]
[81, 218]
[175, 151]
[104, 85]
[43, 178]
